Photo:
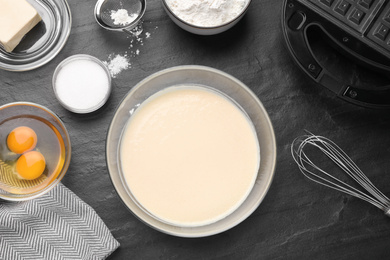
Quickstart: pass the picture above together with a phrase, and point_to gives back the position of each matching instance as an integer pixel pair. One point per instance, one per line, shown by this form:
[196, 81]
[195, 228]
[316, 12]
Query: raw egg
[22, 139]
[30, 165]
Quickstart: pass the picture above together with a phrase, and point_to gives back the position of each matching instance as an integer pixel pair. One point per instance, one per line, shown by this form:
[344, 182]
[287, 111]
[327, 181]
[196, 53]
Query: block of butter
[17, 17]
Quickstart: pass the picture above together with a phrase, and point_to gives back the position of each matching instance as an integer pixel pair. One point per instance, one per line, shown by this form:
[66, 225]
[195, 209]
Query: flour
[122, 17]
[207, 13]
[138, 29]
[117, 63]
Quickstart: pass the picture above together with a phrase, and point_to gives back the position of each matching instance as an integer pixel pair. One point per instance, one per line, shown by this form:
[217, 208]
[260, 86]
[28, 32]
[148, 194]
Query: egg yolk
[30, 165]
[22, 139]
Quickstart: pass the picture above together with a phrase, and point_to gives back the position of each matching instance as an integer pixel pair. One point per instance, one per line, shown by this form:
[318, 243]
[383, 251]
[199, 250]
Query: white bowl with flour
[206, 17]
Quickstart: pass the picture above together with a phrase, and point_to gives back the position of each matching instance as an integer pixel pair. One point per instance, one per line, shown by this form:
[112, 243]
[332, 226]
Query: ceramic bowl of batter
[203, 30]
[232, 88]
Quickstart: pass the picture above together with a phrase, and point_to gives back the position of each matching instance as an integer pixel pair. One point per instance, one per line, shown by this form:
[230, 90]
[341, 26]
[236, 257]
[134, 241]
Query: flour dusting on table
[117, 63]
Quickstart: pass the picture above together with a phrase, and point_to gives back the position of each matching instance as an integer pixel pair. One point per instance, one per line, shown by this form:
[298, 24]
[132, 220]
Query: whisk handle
[387, 212]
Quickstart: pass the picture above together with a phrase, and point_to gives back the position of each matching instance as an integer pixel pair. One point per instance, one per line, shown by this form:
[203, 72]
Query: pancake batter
[189, 155]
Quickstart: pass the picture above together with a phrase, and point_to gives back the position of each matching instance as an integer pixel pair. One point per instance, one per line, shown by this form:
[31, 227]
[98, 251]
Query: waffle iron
[357, 29]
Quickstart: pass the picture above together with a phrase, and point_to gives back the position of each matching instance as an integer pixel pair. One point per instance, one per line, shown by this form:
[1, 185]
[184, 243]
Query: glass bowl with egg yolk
[35, 151]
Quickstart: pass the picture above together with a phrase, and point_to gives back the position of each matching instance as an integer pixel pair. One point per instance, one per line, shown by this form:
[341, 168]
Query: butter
[17, 17]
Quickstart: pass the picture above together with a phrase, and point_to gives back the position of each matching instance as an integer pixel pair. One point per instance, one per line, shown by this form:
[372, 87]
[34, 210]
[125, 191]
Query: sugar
[82, 85]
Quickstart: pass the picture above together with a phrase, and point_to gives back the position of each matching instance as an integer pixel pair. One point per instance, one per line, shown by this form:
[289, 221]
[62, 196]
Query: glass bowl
[80, 94]
[53, 143]
[44, 41]
[204, 30]
[229, 86]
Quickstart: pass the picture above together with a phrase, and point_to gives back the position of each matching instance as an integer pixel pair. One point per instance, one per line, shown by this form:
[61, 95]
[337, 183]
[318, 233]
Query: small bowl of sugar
[206, 17]
[82, 83]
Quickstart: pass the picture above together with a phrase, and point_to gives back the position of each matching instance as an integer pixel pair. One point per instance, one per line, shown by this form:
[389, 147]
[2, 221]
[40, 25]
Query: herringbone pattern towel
[58, 225]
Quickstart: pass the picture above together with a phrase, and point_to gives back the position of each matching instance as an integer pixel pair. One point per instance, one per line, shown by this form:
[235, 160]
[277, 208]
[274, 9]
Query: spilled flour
[117, 63]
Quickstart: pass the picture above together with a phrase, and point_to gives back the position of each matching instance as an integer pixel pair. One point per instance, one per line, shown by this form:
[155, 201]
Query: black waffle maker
[357, 29]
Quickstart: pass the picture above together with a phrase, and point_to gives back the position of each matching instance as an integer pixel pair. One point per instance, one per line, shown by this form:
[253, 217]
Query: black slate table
[298, 219]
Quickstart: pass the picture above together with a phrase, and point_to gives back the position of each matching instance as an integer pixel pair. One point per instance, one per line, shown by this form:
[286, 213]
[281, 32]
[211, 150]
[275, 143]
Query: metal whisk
[343, 161]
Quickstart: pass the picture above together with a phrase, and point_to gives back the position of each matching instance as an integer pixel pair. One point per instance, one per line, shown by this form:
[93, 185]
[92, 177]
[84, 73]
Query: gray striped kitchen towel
[58, 225]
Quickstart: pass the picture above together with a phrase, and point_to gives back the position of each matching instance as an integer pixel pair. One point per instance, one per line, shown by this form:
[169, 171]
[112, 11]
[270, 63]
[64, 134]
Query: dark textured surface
[298, 219]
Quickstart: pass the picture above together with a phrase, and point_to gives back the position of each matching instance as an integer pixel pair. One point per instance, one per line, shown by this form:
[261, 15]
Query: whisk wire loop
[332, 151]
[337, 184]
[349, 167]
